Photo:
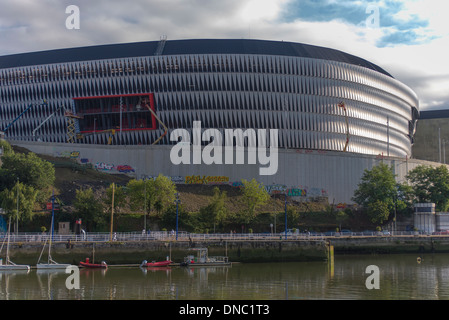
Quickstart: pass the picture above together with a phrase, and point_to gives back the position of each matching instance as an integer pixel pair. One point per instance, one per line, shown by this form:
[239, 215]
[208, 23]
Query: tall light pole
[177, 201]
[53, 215]
[285, 215]
[444, 151]
[145, 212]
[112, 213]
[95, 130]
[388, 136]
[17, 216]
[121, 107]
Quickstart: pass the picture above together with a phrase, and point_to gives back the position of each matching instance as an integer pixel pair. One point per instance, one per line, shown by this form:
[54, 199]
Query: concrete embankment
[390, 244]
[134, 252]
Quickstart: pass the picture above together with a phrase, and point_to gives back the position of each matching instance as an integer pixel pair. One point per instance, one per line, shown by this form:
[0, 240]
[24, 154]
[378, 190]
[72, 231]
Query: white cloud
[27, 25]
[267, 10]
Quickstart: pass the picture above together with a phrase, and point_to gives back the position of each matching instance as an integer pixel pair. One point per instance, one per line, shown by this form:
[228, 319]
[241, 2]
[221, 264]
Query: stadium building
[432, 137]
[116, 106]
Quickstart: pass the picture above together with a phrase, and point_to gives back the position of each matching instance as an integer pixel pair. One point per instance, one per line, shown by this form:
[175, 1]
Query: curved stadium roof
[179, 47]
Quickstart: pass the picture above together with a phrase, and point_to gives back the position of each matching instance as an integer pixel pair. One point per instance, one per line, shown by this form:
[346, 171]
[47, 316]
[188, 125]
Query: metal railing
[154, 235]
[22, 237]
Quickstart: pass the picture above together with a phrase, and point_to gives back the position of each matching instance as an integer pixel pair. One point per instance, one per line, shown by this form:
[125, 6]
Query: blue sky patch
[398, 30]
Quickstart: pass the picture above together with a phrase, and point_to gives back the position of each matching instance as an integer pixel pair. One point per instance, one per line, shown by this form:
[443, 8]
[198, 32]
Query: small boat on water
[202, 259]
[9, 265]
[147, 264]
[51, 264]
[88, 264]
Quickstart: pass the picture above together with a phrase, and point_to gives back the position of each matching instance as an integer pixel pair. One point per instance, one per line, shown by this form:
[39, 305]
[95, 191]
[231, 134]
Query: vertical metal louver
[297, 95]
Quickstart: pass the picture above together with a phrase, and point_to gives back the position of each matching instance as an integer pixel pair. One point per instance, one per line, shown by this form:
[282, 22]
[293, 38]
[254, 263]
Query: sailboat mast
[49, 244]
[112, 212]
[7, 245]
[52, 225]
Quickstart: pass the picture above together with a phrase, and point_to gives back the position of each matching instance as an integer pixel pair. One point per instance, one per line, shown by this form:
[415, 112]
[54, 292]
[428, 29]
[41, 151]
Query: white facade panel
[330, 175]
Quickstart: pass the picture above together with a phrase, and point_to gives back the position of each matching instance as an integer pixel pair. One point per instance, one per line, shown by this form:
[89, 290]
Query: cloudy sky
[409, 39]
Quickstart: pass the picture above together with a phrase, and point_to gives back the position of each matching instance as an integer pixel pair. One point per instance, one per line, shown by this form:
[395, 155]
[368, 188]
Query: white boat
[203, 260]
[9, 265]
[51, 264]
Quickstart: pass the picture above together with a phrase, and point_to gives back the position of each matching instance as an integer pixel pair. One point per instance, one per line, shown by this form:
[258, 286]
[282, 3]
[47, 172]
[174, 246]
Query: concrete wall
[432, 140]
[303, 173]
[424, 217]
[391, 245]
[134, 253]
[442, 221]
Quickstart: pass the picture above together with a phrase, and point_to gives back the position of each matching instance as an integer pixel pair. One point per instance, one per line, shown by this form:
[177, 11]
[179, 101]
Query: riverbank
[390, 244]
[134, 252]
[244, 251]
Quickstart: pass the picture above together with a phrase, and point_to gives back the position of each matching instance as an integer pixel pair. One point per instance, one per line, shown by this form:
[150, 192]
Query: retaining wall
[134, 252]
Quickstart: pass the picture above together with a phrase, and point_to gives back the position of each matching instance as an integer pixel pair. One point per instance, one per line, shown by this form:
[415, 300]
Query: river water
[401, 277]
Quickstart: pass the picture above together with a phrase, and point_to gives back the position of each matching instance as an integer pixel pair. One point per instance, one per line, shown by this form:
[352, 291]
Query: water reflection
[401, 277]
[8, 290]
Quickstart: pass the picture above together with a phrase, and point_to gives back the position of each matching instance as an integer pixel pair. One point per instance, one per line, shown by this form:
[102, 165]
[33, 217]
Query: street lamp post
[95, 130]
[53, 215]
[17, 216]
[177, 201]
[285, 215]
[145, 206]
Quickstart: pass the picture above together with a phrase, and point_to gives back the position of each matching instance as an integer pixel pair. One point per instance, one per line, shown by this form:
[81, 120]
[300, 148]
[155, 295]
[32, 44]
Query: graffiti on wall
[100, 166]
[317, 192]
[124, 169]
[175, 179]
[107, 167]
[236, 184]
[275, 188]
[68, 154]
[297, 192]
[206, 179]
[303, 192]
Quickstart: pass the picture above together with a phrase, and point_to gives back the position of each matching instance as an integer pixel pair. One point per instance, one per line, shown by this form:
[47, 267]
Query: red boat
[88, 264]
[165, 263]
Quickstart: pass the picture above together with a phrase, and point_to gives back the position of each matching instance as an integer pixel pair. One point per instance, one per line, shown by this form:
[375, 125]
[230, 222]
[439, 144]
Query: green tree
[119, 197]
[136, 194]
[186, 221]
[340, 217]
[254, 195]
[431, 185]
[420, 178]
[21, 197]
[5, 146]
[141, 195]
[215, 213]
[89, 209]
[7, 179]
[164, 193]
[405, 198]
[30, 170]
[157, 194]
[379, 193]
